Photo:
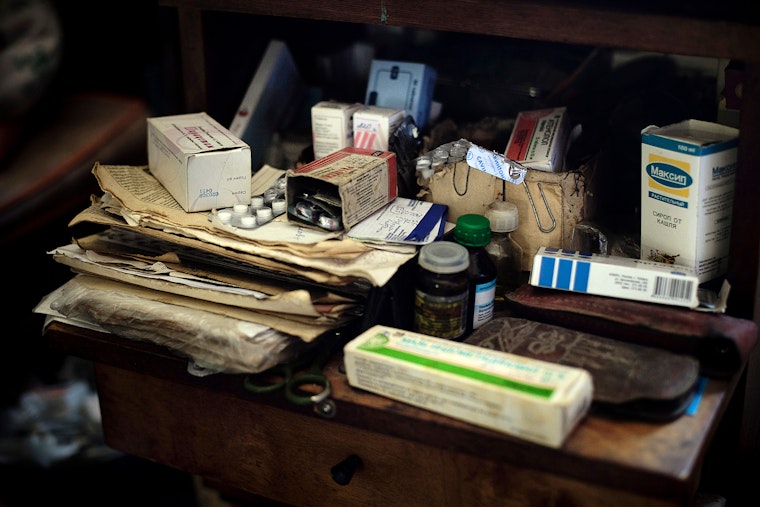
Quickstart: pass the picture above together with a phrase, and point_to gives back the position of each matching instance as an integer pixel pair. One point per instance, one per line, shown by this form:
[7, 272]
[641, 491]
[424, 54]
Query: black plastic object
[629, 380]
[343, 472]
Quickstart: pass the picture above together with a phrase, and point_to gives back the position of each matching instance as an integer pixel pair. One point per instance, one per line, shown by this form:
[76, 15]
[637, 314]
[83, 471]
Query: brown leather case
[632, 380]
[721, 343]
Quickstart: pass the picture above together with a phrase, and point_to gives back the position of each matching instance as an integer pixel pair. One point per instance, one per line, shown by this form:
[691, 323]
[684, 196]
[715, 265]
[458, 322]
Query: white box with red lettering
[539, 139]
[332, 126]
[201, 163]
[374, 125]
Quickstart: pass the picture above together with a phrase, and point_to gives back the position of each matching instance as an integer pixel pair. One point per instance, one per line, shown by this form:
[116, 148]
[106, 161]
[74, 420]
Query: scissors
[306, 369]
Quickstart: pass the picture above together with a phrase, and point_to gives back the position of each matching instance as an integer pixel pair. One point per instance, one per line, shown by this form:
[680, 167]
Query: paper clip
[535, 211]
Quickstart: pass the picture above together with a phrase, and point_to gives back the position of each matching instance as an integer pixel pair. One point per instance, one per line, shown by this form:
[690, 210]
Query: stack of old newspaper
[233, 300]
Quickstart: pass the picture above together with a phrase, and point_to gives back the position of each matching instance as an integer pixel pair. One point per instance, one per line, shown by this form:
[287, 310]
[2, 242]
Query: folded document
[213, 341]
[403, 220]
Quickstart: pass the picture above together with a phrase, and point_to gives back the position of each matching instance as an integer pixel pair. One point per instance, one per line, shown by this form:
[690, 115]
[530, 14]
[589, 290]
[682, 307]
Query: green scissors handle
[288, 376]
[292, 389]
[269, 381]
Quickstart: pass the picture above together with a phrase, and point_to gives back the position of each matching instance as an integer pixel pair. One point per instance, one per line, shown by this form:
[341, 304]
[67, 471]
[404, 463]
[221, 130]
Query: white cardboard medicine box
[539, 139]
[402, 85]
[688, 171]
[271, 102]
[531, 399]
[201, 163]
[614, 276]
[359, 181]
[374, 125]
[332, 126]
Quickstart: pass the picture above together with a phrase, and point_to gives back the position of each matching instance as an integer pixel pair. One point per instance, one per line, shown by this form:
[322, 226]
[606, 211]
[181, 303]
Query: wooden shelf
[587, 23]
[704, 29]
[214, 428]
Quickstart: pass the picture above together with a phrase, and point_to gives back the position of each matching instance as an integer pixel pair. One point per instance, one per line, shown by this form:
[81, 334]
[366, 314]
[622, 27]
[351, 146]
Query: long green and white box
[534, 400]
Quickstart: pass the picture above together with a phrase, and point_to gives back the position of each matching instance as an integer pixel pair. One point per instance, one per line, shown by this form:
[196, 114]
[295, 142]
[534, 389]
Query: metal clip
[535, 211]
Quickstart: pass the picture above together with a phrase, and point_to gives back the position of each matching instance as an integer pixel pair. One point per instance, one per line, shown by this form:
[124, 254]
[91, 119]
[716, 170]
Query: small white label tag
[495, 164]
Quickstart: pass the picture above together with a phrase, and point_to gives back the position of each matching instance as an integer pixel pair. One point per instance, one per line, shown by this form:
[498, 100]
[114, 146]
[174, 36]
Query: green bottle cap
[472, 230]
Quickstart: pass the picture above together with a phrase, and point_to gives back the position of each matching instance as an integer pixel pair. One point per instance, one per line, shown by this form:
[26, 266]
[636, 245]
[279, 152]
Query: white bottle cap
[240, 208]
[444, 257]
[503, 215]
[257, 201]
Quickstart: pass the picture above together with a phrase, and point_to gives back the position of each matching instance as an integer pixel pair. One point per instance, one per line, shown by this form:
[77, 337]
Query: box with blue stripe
[613, 276]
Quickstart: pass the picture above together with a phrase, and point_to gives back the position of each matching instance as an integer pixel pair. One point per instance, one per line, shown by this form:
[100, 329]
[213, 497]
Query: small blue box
[402, 85]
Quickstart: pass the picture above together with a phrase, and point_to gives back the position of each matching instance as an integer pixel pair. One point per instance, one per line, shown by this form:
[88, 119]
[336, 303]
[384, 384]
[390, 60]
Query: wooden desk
[213, 428]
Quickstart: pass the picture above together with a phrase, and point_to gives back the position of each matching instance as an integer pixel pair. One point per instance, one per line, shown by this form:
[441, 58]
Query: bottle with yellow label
[441, 292]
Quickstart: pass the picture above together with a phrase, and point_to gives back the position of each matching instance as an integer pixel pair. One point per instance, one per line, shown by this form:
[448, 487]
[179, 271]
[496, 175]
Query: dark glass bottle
[441, 291]
[474, 232]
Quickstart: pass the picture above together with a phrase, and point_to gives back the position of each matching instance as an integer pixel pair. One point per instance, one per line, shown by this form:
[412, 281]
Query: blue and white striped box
[618, 277]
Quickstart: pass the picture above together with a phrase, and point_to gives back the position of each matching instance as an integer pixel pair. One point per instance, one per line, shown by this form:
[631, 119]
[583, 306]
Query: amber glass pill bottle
[441, 290]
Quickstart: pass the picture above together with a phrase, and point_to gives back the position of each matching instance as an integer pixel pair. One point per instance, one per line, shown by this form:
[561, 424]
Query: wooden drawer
[286, 455]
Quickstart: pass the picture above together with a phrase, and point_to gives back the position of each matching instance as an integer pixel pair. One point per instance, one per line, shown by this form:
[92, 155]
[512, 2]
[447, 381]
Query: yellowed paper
[215, 342]
[145, 202]
[296, 302]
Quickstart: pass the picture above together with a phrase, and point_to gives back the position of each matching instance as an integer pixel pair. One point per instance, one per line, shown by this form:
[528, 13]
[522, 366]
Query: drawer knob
[344, 471]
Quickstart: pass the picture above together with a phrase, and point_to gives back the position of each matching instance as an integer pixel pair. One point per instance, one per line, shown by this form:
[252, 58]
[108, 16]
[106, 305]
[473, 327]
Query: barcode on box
[673, 288]
[620, 277]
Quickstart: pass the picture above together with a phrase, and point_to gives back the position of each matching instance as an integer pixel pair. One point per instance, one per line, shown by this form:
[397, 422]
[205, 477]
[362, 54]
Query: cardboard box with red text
[539, 139]
[356, 180]
[201, 163]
